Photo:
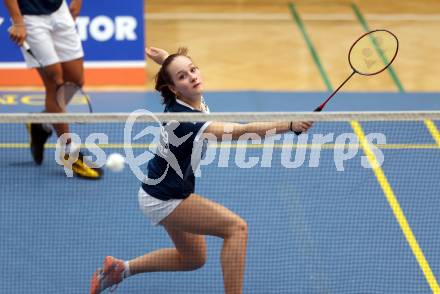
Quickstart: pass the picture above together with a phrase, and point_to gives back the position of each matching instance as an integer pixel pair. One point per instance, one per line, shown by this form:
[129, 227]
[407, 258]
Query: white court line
[220, 16]
[115, 64]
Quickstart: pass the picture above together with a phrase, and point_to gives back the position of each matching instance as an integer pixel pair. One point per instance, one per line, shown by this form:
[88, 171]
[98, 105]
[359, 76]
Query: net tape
[220, 116]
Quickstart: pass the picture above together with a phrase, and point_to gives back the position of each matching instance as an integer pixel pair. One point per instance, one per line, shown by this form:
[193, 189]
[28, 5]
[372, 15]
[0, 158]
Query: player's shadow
[22, 164]
[46, 170]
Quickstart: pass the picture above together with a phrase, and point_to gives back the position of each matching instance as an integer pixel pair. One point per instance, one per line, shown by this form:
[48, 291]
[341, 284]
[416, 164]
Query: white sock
[47, 127]
[126, 273]
[71, 148]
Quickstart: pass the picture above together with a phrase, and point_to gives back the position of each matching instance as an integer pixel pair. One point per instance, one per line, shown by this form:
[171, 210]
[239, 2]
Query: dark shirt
[39, 7]
[173, 163]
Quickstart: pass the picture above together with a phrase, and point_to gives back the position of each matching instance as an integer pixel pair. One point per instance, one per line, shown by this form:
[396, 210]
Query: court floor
[312, 229]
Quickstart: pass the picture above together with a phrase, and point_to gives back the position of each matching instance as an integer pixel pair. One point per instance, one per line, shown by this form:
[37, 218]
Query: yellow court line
[433, 130]
[251, 146]
[397, 210]
[325, 146]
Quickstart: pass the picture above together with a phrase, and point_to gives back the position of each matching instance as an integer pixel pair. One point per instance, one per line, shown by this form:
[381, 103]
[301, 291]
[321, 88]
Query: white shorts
[155, 209]
[52, 38]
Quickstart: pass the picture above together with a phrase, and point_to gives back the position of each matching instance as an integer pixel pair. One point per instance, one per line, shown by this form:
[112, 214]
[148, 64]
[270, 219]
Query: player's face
[186, 77]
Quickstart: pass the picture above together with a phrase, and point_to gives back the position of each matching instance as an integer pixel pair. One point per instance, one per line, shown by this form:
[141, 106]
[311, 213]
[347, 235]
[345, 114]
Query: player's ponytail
[163, 78]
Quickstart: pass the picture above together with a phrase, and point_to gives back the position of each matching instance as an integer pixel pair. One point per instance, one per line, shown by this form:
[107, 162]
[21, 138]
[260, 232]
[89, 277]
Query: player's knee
[198, 262]
[195, 261]
[78, 81]
[54, 76]
[239, 228]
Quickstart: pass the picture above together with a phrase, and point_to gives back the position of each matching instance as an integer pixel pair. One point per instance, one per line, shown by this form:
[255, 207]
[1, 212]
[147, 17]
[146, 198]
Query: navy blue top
[170, 171]
[39, 7]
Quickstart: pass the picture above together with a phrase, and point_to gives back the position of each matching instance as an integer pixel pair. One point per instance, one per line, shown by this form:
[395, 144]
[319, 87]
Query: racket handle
[28, 49]
[26, 46]
[317, 109]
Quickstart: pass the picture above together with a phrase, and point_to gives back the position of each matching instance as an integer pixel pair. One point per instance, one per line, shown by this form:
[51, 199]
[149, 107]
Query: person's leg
[198, 215]
[67, 46]
[52, 79]
[194, 217]
[39, 133]
[73, 71]
[189, 254]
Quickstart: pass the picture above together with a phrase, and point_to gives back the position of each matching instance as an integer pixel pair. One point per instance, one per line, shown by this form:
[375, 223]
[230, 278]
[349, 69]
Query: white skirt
[155, 209]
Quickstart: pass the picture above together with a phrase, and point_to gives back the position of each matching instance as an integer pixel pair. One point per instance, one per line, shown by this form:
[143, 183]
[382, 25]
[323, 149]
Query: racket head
[373, 52]
[71, 98]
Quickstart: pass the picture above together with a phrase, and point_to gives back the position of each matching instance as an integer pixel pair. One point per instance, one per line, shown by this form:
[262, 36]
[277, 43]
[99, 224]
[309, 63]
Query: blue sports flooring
[311, 229]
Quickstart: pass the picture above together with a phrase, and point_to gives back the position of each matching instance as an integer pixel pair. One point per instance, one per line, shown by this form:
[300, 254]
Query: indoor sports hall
[351, 206]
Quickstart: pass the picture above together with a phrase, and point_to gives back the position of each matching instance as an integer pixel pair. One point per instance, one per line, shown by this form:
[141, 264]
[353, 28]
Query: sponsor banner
[112, 33]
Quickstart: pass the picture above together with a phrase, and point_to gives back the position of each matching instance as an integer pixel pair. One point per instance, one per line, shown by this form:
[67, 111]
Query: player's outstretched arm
[218, 129]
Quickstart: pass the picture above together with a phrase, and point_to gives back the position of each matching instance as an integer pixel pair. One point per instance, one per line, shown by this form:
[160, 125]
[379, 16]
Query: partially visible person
[48, 27]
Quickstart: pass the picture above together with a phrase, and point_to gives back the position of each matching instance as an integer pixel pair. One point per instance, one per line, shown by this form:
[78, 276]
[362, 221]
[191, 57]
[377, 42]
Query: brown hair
[163, 77]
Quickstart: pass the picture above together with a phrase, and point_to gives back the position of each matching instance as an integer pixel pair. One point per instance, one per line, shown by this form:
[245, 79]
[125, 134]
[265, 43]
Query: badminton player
[172, 203]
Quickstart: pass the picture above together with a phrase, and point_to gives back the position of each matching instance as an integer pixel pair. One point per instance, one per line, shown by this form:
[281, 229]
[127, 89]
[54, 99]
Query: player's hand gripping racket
[67, 91]
[369, 55]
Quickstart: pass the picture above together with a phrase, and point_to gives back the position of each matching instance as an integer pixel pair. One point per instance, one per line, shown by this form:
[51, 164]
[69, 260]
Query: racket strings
[373, 52]
[71, 94]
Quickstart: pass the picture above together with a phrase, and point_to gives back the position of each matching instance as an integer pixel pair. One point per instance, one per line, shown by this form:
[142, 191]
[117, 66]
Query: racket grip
[317, 109]
[26, 46]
